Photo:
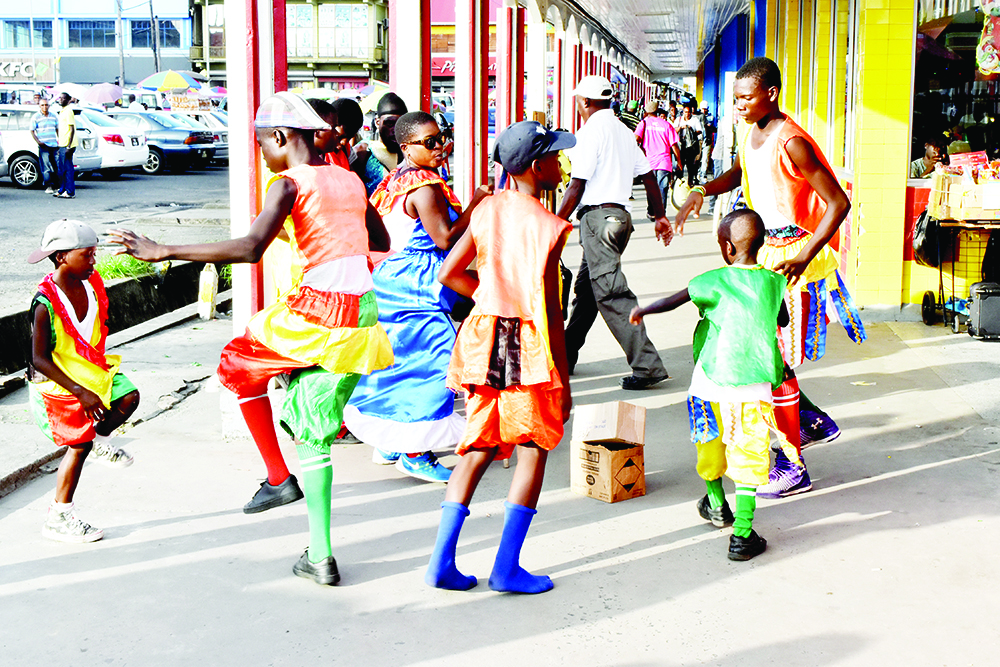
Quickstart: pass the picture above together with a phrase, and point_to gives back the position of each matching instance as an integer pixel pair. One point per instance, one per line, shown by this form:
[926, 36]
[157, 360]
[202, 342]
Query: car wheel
[154, 163]
[24, 172]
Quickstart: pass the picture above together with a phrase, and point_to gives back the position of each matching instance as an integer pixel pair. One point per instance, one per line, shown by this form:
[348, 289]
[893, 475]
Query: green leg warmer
[716, 494]
[746, 503]
[317, 482]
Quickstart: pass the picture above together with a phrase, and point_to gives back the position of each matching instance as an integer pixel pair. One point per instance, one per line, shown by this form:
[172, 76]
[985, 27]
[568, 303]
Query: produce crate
[951, 199]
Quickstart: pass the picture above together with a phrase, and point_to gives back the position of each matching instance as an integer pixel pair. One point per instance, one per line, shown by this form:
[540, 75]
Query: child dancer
[324, 331]
[737, 362]
[77, 396]
[510, 356]
[406, 410]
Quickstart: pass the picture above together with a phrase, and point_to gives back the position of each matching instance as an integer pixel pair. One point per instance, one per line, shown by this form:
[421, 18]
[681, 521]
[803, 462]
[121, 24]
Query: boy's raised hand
[136, 245]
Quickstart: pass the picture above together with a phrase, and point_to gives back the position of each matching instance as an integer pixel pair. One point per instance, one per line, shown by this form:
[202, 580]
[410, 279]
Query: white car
[120, 147]
[218, 123]
[21, 152]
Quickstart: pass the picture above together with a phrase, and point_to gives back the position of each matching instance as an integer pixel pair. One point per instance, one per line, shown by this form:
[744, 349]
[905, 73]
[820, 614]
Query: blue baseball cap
[522, 143]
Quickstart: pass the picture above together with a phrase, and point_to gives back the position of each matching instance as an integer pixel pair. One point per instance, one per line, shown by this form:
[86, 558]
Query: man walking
[605, 160]
[659, 142]
[45, 132]
[67, 146]
[630, 116]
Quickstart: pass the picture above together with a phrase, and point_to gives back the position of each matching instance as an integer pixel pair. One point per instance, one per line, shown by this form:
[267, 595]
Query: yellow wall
[882, 145]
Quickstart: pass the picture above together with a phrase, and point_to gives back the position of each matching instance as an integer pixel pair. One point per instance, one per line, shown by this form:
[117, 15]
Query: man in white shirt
[134, 105]
[605, 161]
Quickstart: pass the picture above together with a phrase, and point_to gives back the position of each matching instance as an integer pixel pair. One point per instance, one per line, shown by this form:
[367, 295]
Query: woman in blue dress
[406, 411]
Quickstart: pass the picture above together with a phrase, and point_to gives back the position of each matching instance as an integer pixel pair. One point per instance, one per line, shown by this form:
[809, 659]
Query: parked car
[21, 152]
[205, 120]
[171, 143]
[121, 147]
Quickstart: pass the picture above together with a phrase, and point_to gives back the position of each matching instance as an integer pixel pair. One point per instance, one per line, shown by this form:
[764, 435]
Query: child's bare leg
[120, 410]
[442, 572]
[68, 475]
[528, 476]
[508, 575]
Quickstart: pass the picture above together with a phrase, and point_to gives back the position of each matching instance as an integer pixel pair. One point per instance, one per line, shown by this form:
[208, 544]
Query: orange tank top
[328, 217]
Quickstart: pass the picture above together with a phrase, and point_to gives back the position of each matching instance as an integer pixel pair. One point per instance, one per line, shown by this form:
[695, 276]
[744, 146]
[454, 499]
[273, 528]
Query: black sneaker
[268, 496]
[745, 548]
[719, 516]
[633, 382]
[323, 573]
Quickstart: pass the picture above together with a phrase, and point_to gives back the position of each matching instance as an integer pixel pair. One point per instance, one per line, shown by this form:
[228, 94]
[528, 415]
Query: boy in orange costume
[77, 395]
[324, 331]
[510, 356]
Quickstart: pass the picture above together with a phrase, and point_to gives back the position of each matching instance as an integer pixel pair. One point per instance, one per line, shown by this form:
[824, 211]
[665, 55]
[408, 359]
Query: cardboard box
[952, 199]
[615, 422]
[607, 471]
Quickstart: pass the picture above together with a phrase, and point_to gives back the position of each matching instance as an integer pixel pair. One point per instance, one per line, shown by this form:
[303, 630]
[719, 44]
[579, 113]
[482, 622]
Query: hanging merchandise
[988, 51]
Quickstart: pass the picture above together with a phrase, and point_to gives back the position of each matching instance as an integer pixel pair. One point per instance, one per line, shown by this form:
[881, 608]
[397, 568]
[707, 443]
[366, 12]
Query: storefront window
[343, 31]
[142, 34]
[216, 31]
[300, 30]
[956, 98]
[91, 34]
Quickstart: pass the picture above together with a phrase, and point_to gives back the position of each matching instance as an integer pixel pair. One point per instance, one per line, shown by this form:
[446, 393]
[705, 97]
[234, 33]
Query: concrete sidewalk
[886, 561]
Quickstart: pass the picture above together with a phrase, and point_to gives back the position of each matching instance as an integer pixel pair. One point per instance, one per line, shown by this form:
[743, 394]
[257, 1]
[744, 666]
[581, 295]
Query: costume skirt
[820, 297]
[407, 407]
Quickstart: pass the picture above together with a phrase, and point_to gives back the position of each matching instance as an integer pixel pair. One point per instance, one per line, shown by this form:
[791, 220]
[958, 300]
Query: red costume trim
[325, 309]
[94, 355]
[402, 181]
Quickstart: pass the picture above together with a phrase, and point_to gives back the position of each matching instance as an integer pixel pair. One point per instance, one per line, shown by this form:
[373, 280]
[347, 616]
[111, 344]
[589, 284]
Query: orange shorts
[247, 365]
[517, 415]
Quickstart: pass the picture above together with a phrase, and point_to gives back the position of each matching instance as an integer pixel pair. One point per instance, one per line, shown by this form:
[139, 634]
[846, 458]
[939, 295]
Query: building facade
[330, 44]
[84, 41]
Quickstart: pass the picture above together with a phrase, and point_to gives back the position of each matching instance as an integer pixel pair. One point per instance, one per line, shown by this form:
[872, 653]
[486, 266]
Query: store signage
[26, 70]
[445, 66]
[977, 159]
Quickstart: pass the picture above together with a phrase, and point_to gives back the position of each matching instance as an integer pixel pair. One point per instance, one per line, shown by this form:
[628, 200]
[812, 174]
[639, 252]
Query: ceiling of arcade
[668, 36]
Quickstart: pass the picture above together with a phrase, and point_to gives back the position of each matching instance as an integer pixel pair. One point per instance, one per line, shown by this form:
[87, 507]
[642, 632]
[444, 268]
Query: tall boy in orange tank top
[510, 355]
[324, 330]
[806, 211]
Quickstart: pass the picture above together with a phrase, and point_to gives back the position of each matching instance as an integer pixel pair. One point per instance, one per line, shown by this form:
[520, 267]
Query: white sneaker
[50, 191]
[110, 456]
[65, 527]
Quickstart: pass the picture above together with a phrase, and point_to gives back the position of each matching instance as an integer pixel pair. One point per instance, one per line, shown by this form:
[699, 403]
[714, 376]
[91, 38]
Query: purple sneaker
[785, 479]
[816, 428]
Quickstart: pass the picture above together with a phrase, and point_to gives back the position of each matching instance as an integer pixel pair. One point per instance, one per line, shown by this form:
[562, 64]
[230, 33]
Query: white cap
[704, 104]
[594, 87]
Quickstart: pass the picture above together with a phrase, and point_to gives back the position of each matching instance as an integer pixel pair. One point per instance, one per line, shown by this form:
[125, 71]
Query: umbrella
[73, 89]
[216, 91]
[370, 102]
[103, 93]
[169, 80]
[374, 87]
[352, 93]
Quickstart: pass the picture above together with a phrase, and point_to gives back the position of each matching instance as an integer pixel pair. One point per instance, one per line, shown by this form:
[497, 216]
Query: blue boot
[442, 573]
[508, 576]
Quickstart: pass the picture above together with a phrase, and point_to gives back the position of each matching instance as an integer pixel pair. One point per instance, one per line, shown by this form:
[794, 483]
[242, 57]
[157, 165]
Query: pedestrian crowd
[382, 260]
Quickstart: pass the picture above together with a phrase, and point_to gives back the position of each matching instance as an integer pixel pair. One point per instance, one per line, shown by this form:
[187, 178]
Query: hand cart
[967, 246]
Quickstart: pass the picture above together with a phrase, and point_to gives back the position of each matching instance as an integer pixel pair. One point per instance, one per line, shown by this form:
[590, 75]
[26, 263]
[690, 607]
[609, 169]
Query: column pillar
[535, 63]
[557, 83]
[410, 52]
[471, 89]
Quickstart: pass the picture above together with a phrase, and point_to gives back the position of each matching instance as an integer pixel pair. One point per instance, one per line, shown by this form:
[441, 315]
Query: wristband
[699, 189]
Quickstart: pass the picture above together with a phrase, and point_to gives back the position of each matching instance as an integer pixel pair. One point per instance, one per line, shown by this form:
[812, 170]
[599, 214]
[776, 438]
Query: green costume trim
[716, 494]
[317, 478]
[746, 504]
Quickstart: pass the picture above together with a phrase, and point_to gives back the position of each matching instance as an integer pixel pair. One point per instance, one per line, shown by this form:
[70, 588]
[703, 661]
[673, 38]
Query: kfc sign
[445, 66]
[25, 71]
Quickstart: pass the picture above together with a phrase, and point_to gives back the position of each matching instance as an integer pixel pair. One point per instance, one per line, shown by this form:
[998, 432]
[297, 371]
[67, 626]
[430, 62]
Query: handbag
[926, 240]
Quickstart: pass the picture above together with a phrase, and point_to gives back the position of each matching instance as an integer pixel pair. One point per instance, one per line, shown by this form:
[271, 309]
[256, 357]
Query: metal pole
[156, 38]
[121, 45]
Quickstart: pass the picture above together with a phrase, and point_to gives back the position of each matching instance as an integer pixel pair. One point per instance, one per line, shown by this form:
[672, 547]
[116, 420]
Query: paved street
[105, 203]
[886, 562]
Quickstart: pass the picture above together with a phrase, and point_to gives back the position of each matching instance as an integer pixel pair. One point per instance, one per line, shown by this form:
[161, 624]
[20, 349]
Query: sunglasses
[428, 142]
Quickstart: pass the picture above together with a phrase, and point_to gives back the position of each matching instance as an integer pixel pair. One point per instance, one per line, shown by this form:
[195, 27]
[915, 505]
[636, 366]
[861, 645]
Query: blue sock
[508, 576]
[441, 572]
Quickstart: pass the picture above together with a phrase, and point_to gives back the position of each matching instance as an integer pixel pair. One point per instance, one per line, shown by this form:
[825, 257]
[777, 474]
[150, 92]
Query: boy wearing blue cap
[510, 355]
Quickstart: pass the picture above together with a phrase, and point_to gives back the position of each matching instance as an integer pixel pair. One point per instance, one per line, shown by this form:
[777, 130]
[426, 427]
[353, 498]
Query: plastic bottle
[208, 289]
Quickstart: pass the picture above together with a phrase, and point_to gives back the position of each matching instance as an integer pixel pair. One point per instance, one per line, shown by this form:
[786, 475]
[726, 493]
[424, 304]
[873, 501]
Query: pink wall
[443, 11]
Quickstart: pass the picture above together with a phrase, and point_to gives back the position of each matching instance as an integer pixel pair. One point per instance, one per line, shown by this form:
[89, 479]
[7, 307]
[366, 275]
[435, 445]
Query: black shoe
[323, 573]
[634, 382]
[268, 497]
[745, 548]
[719, 516]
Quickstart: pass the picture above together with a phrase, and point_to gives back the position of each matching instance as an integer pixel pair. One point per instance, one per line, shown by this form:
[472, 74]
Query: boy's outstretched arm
[661, 306]
[825, 183]
[557, 336]
[455, 273]
[41, 359]
[378, 235]
[729, 180]
[249, 249]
